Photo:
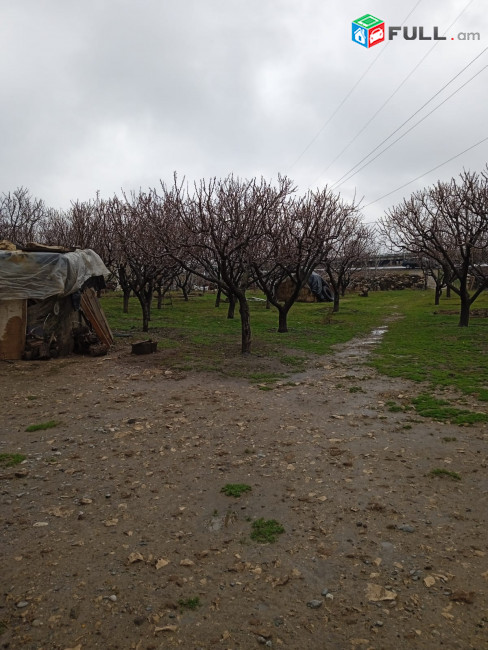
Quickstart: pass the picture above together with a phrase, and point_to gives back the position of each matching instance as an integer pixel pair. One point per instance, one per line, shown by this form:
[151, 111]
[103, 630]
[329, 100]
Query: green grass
[10, 460]
[195, 335]
[356, 389]
[439, 409]
[426, 344]
[265, 531]
[422, 342]
[42, 426]
[441, 472]
[393, 407]
[235, 489]
[190, 603]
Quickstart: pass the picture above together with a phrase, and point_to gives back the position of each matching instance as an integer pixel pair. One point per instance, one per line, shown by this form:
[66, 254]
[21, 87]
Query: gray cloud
[104, 95]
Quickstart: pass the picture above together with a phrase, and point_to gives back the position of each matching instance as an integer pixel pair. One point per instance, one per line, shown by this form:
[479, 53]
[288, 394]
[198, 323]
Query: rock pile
[387, 282]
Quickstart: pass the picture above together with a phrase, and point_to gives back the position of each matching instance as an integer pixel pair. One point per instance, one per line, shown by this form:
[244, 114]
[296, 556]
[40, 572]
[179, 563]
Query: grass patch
[449, 439]
[440, 410]
[196, 336]
[356, 389]
[423, 342]
[42, 426]
[427, 345]
[393, 407]
[265, 531]
[298, 363]
[235, 489]
[10, 460]
[190, 603]
[440, 471]
[266, 377]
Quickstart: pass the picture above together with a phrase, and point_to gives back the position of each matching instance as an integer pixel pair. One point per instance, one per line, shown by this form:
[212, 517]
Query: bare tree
[141, 265]
[21, 216]
[298, 236]
[355, 245]
[219, 227]
[448, 223]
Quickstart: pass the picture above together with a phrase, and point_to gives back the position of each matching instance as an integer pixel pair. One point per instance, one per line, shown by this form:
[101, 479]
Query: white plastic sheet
[41, 275]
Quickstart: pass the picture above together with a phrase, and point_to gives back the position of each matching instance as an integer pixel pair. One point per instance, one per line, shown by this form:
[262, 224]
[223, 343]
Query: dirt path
[115, 525]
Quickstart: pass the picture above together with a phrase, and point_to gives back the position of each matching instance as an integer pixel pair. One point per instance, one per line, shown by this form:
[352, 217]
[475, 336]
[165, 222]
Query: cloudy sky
[110, 94]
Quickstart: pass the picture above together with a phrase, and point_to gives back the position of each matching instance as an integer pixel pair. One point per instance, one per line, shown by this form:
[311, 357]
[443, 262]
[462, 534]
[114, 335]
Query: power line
[425, 173]
[370, 153]
[327, 122]
[389, 98]
[338, 184]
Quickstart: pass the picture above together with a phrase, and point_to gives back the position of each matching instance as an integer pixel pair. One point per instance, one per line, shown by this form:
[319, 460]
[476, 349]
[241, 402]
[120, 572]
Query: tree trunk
[268, 304]
[282, 320]
[126, 301]
[145, 316]
[438, 293]
[218, 297]
[232, 306]
[245, 324]
[464, 313]
[335, 308]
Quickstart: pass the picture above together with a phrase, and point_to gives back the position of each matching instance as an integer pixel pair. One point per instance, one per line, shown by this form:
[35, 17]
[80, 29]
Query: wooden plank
[94, 313]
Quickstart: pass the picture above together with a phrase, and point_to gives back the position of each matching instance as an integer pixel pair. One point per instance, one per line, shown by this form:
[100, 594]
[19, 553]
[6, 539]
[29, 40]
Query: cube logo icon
[368, 30]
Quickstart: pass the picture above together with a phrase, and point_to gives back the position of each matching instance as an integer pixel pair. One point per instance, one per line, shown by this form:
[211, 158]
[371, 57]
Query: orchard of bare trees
[447, 225]
[236, 234]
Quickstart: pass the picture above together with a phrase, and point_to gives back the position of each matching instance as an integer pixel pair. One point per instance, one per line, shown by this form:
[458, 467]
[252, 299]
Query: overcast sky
[110, 94]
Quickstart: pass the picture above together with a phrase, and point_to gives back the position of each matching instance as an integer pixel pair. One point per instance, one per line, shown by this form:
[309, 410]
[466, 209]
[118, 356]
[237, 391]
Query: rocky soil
[115, 533]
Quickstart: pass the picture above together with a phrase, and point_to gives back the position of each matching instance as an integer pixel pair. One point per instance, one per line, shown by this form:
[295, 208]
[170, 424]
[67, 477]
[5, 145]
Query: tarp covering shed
[40, 296]
[41, 275]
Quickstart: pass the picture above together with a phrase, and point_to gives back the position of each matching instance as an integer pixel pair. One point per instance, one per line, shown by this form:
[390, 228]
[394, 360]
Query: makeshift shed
[48, 302]
[316, 290]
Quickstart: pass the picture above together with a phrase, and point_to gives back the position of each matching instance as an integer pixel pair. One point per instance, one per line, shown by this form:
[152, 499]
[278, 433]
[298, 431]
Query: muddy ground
[115, 532]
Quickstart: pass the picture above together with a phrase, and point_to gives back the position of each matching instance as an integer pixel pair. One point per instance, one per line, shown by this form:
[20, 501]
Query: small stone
[315, 604]
[22, 603]
[379, 623]
[324, 592]
[113, 598]
[406, 528]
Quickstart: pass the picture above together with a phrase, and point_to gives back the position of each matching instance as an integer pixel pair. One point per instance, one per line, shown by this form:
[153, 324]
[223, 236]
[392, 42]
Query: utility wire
[370, 153]
[390, 97]
[338, 184]
[363, 76]
[425, 173]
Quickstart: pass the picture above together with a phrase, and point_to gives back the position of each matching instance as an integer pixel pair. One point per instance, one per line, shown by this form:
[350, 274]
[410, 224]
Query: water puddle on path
[375, 336]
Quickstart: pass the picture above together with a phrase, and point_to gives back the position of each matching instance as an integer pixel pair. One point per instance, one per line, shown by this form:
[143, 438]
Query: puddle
[374, 336]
